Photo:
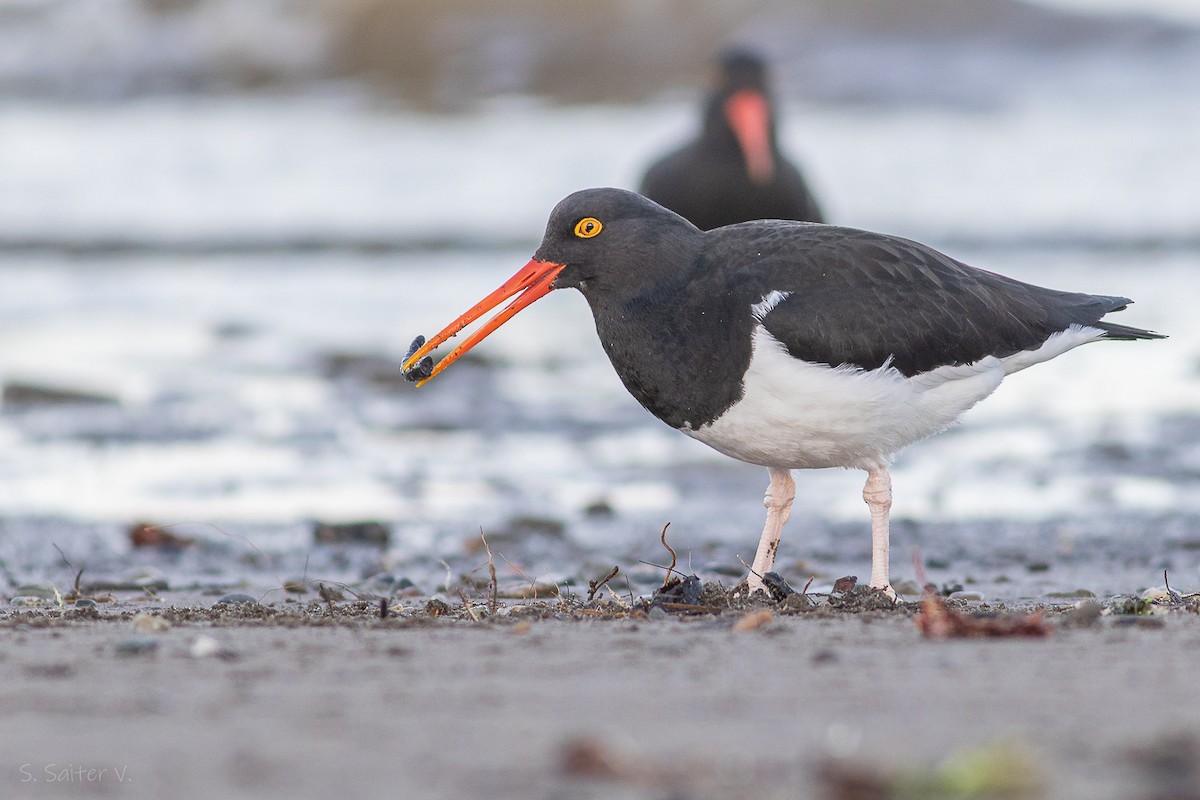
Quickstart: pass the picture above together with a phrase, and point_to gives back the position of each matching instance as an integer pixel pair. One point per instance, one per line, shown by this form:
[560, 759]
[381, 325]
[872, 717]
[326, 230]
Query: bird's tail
[1125, 333]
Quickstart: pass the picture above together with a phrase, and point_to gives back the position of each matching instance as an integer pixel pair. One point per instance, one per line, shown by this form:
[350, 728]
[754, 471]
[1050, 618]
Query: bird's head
[740, 110]
[600, 241]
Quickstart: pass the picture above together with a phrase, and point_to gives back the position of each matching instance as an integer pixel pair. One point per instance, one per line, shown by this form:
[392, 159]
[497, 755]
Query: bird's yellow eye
[588, 227]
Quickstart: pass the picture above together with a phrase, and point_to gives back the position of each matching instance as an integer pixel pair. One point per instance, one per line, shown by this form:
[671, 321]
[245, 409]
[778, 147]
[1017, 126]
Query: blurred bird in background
[734, 170]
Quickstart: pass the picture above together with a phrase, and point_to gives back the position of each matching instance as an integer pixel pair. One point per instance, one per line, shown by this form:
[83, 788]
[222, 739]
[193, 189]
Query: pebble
[137, 647]
[966, 595]
[777, 587]
[27, 600]
[236, 597]
[436, 607]
[1084, 613]
[797, 602]
[205, 646]
[84, 603]
[364, 532]
[150, 623]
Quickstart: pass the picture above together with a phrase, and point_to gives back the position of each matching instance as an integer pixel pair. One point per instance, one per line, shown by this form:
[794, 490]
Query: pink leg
[778, 501]
[878, 494]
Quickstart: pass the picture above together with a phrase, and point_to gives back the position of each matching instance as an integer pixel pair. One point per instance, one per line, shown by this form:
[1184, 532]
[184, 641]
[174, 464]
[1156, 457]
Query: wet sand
[294, 703]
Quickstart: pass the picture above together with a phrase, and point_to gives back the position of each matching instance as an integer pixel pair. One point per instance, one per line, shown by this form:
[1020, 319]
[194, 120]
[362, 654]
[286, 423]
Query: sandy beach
[550, 700]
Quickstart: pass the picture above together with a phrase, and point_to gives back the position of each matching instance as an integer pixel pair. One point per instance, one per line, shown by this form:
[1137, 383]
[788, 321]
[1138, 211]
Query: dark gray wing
[865, 299]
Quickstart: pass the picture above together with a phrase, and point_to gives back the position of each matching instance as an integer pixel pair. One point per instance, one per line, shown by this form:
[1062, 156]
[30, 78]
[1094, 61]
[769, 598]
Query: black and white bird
[734, 170]
[791, 345]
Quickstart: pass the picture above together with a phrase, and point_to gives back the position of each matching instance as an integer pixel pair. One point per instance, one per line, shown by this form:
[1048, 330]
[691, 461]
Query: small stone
[824, 657]
[85, 609]
[437, 608]
[599, 509]
[795, 603]
[29, 395]
[141, 645]
[683, 591]
[966, 595]
[1084, 614]
[205, 646]
[150, 623]
[777, 587]
[657, 612]
[907, 587]
[235, 598]
[367, 532]
[26, 600]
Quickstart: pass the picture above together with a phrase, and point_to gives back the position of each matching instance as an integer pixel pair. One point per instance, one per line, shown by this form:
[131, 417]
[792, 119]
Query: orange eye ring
[588, 227]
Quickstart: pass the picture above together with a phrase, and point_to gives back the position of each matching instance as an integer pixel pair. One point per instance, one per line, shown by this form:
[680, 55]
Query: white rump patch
[1055, 346]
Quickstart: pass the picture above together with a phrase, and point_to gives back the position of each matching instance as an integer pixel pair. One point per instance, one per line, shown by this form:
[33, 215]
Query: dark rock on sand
[235, 598]
[365, 532]
[17, 395]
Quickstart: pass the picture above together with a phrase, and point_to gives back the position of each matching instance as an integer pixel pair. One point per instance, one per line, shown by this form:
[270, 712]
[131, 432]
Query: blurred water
[241, 275]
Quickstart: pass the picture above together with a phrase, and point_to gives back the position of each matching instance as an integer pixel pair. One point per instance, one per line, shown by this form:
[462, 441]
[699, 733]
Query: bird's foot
[754, 583]
[887, 589]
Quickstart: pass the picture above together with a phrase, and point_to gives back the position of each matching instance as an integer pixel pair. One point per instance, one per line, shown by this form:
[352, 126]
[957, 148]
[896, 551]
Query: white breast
[799, 415]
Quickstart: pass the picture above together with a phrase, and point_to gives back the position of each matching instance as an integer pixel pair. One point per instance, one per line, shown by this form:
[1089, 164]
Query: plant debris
[143, 534]
[597, 584]
[587, 757]
[844, 585]
[937, 620]
[1004, 769]
[753, 620]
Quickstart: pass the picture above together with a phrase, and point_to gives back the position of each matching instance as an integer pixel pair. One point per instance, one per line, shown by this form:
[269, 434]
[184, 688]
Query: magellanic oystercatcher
[790, 345]
[734, 171]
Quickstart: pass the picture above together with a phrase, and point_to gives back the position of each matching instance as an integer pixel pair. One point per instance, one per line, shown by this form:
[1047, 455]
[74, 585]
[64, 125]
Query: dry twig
[468, 607]
[597, 584]
[492, 589]
[662, 537]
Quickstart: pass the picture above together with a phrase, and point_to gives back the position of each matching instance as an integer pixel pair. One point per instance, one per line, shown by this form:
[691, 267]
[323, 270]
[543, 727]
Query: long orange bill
[531, 282]
[750, 118]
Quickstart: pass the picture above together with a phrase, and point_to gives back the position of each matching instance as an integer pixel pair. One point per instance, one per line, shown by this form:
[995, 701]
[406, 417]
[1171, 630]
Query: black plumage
[672, 303]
